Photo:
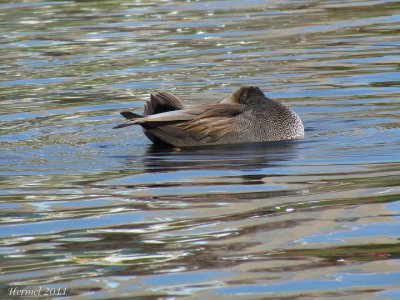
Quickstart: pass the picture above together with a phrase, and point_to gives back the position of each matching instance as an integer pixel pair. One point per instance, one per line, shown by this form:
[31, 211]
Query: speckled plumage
[246, 116]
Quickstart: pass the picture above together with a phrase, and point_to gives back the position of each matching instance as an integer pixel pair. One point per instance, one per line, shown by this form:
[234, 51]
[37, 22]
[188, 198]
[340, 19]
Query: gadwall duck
[246, 116]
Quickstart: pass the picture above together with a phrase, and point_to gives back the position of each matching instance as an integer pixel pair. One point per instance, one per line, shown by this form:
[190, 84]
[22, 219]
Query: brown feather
[199, 123]
[162, 102]
[206, 127]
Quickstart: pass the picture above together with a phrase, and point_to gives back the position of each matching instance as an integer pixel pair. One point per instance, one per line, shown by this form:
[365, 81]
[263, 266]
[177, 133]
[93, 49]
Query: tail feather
[162, 102]
[130, 115]
[159, 103]
[131, 119]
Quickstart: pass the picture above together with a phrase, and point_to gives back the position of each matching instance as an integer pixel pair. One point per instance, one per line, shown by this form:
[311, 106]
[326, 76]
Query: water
[100, 214]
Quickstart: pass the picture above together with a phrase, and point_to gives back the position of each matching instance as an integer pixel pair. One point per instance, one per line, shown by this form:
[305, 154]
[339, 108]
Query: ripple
[103, 214]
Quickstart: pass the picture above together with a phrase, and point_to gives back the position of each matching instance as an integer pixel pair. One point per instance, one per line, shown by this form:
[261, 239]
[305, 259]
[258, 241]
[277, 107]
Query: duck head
[244, 95]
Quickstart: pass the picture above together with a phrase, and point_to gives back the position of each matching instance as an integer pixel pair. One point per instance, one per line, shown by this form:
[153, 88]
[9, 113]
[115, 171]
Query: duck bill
[232, 98]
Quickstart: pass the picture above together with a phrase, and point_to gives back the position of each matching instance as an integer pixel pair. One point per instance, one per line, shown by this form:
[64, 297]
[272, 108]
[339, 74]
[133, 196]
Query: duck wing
[212, 124]
[208, 123]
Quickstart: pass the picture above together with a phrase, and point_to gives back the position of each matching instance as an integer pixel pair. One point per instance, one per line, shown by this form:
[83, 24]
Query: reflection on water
[104, 214]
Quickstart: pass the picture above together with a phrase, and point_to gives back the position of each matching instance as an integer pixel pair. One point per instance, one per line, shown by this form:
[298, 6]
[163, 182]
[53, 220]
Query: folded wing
[207, 123]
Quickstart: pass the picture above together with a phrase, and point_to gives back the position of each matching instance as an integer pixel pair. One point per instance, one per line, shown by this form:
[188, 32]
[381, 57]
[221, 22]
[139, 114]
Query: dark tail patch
[130, 115]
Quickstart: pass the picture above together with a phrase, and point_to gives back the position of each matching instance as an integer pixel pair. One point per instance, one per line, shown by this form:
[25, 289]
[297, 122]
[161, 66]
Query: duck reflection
[243, 156]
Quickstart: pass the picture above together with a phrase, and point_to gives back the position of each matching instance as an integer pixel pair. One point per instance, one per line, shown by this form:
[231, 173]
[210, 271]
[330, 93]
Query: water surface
[103, 214]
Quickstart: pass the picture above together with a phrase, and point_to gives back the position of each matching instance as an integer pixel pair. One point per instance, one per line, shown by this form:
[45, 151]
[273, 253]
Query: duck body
[246, 116]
